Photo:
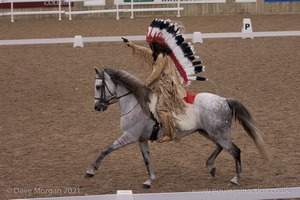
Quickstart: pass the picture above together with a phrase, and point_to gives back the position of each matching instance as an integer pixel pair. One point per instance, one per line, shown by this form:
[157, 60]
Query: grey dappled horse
[210, 115]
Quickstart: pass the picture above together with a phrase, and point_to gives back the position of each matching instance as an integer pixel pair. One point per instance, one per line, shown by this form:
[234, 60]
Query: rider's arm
[158, 67]
[141, 52]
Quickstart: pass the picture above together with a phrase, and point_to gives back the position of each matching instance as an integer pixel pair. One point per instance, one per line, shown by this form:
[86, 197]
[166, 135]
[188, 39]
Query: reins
[130, 110]
[115, 99]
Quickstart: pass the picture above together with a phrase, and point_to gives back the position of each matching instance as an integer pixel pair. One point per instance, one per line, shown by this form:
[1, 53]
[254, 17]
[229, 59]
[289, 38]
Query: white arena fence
[196, 37]
[244, 194]
[118, 3]
[119, 6]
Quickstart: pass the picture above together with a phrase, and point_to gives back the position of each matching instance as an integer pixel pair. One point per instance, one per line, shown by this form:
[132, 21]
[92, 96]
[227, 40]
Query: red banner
[36, 4]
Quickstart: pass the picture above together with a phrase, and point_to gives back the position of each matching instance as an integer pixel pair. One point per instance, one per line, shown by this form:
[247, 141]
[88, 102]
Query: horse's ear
[97, 71]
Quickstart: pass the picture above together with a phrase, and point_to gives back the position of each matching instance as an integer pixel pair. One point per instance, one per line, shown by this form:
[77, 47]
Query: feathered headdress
[167, 33]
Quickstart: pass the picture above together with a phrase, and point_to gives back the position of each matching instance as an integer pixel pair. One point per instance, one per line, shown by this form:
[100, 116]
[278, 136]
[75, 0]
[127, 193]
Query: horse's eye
[98, 87]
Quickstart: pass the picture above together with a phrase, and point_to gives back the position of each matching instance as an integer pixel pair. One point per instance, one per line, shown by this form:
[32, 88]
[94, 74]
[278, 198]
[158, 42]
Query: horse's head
[105, 90]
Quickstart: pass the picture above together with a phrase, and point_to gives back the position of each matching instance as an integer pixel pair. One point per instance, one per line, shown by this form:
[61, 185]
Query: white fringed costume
[169, 72]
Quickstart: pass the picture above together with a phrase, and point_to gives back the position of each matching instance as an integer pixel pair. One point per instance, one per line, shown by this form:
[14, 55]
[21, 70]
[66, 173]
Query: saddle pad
[189, 97]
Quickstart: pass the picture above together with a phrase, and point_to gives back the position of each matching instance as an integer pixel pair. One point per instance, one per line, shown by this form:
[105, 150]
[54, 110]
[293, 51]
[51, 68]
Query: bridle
[104, 103]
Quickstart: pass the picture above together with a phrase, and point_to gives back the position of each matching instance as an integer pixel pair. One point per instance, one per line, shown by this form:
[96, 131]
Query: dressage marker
[247, 29]
[78, 42]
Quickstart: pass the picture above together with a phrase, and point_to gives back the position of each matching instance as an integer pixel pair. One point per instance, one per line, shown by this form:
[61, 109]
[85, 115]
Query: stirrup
[165, 138]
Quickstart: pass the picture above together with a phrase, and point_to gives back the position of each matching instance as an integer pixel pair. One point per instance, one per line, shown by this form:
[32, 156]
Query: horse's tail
[241, 113]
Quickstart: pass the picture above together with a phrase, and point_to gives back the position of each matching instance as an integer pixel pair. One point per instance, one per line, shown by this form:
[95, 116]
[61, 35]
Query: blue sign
[282, 0]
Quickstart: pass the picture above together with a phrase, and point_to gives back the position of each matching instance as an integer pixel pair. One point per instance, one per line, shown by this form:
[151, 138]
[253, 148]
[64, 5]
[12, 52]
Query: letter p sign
[247, 29]
[247, 26]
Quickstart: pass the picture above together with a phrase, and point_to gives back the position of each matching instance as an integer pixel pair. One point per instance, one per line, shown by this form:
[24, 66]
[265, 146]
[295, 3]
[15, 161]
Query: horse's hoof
[88, 175]
[146, 186]
[232, 183]
[213, 172]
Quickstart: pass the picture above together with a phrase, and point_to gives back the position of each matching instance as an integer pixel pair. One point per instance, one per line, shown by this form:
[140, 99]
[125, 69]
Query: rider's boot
[166, 137]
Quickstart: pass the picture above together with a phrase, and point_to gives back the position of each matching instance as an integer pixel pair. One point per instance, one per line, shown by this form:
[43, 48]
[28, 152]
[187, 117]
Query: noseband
[102, 99]
[102, 88]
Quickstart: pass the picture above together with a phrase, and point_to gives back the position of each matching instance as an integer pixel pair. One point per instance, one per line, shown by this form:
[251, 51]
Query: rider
[164, 80]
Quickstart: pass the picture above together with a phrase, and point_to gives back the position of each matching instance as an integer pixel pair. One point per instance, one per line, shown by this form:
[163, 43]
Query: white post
[70, 10]
[178, 6]
[117, 6]
[12, 11]
[59, 9]
[131, 6]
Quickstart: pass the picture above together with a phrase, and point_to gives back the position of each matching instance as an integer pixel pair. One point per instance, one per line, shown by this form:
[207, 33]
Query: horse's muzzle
[100, 106]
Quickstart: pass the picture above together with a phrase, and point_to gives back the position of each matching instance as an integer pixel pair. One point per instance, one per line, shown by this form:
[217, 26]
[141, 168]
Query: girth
[155, 128]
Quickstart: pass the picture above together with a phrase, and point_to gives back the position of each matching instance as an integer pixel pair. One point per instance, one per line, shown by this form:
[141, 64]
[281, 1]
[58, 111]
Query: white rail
[142, 37]
[117, 9]
[245, 194]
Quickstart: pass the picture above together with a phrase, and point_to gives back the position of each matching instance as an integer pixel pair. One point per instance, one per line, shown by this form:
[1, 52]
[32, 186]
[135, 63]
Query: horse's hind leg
[211, 159]
[147, 159]
[235, 152]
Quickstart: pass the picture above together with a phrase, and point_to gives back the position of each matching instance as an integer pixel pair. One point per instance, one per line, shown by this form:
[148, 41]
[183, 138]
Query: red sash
[189, 97]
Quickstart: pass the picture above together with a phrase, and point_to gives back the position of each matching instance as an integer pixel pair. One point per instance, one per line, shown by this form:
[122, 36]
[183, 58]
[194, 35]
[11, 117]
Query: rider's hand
[126, 41]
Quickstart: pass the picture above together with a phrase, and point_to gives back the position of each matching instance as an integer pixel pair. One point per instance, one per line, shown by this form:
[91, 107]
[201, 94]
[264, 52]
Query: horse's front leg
[147, 159]
[119, 143]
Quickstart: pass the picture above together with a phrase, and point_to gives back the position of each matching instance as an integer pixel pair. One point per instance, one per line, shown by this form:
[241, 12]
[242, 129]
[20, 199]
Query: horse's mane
[132, 83]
